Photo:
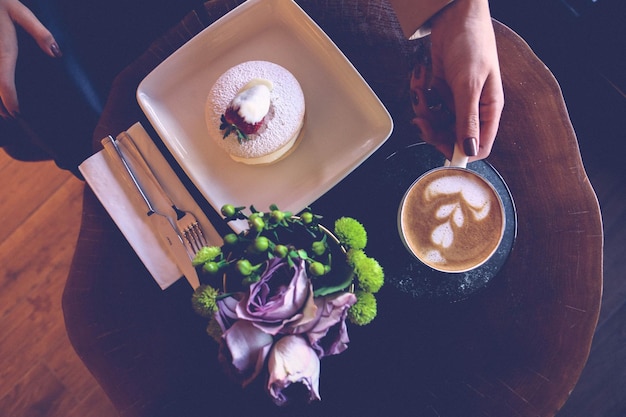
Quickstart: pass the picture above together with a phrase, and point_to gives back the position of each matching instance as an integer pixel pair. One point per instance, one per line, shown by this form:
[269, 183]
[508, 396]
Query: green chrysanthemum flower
[351, 233]
[370, 274]
[206, 254]
[354, 256]
[364, 310]
[214, 330]
[203, 300]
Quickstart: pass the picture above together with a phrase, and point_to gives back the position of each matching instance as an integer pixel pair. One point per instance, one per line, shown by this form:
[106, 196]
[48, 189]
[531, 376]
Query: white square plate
[345, 121]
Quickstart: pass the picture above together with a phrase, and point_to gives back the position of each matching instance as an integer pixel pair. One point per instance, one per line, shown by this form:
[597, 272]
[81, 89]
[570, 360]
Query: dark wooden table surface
[515, 348]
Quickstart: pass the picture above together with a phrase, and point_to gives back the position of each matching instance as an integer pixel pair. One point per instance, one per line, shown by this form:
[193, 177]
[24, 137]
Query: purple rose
[292, 360]
[226, 315]
[243, 350]
[282, 295]
[327, 331]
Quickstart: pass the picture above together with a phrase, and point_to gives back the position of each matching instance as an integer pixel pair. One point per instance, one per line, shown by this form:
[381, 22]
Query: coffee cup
[451, 218]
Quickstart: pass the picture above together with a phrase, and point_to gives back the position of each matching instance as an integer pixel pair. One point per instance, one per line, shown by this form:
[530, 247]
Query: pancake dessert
[255, 112]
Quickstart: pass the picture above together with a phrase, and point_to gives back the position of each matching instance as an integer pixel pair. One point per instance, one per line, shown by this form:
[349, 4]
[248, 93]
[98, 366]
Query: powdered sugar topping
[283, 119]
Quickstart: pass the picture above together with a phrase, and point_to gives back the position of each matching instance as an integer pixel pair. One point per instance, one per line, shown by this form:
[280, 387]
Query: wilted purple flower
[327, 332]
[244, 349]
[292, 360]
[282, 295]
[249, 321]
[226, 315]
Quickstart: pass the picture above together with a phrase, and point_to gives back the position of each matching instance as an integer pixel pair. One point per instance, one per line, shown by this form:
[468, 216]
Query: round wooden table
[514, 348]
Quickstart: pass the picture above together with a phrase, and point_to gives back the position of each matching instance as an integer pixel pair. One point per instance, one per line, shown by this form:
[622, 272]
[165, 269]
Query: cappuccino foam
[452, 220]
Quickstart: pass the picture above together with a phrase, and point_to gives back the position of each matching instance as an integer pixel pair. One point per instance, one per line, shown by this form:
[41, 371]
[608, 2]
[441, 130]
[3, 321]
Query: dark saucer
[411, 276]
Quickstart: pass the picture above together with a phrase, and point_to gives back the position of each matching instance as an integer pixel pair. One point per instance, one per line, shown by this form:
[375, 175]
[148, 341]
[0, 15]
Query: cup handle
[459, 158]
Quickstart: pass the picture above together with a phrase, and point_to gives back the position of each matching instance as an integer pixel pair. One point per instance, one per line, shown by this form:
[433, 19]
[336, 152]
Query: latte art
[452, 220]
[472, 199]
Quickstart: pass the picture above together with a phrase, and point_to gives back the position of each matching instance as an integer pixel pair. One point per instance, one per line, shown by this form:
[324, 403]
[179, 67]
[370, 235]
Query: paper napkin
[110, 182]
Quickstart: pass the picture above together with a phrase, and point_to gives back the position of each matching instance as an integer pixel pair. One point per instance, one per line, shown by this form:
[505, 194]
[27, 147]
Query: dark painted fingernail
[56, 51]
[470, 146]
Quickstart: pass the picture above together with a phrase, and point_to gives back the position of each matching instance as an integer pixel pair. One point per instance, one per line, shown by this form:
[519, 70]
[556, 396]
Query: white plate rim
[152, 97]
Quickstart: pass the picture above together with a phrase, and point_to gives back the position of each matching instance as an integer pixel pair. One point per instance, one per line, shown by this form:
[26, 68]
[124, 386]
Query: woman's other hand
[13, 13]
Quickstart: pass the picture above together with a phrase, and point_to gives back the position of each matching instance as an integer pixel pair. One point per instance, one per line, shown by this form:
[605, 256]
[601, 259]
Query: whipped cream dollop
[253, 100]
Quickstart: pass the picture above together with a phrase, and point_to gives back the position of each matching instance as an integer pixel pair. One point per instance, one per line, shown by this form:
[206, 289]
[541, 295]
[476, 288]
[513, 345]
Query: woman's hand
[13, 12]
[466, 73]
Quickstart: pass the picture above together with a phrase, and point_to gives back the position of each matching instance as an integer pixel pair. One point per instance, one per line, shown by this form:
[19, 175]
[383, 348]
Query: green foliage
[214, 330]
[229, 128]
[370, 274]
[364, 310]
[351, 233]
[277, 233]
[353, 256]
[206, 254]
[270, 234]
[203, 301]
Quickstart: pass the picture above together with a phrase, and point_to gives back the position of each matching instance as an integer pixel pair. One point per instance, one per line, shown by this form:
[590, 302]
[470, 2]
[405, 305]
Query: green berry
[277, 216]
[317, 269]
[244, 267]
[261, 244]
[211, 267]
[281, 251]
[228, 210]
[251, 279]
[256, 223]
[318, 247]
[307, 217]
[231, 239]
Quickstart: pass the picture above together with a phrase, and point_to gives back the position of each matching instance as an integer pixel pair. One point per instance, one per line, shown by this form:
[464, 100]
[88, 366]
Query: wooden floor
[40, 374]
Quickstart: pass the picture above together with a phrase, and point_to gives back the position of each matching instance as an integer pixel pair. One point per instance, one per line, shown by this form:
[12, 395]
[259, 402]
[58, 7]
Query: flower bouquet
[278, 295]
